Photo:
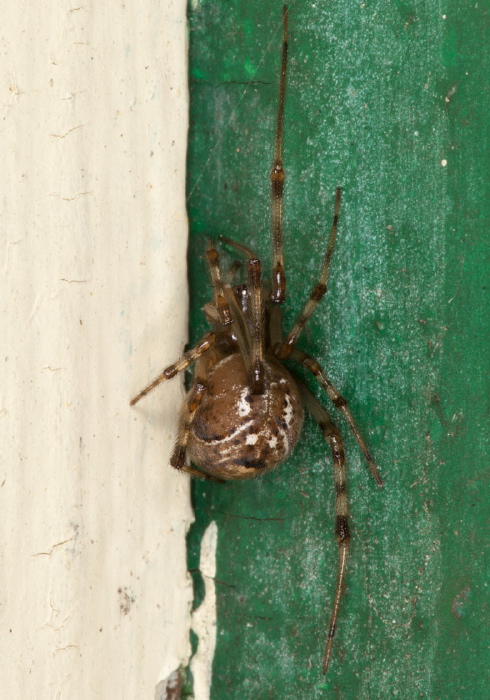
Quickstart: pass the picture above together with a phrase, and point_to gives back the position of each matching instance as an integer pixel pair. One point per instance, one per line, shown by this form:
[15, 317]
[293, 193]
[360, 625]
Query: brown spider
[244, 411]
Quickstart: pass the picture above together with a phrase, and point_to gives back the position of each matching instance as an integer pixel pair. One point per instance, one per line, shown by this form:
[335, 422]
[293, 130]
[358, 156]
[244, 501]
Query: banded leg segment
[256, 313]
[257, 373]
[178, 458]
[277, 177]
[333, 437]
[339, 401]
[206, 342]
[219, 294]
[319, 289]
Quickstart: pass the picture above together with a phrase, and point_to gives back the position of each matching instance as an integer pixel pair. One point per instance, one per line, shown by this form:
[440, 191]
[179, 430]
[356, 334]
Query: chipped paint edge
[204, 619]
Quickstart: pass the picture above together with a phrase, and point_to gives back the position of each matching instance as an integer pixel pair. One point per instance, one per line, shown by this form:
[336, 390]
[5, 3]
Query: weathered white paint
[204, 618]
[94, 596]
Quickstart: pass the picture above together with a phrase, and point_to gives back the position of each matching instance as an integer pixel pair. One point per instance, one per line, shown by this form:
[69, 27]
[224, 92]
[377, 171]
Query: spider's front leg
[178, 458]
[206, 342]
[332, 434]
[277, 178]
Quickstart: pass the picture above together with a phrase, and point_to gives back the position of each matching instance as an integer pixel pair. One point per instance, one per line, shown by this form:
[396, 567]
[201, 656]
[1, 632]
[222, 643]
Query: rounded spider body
[238, 435]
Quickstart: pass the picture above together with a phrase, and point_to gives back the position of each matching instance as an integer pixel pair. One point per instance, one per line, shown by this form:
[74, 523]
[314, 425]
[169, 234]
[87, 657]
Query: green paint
[378, 95]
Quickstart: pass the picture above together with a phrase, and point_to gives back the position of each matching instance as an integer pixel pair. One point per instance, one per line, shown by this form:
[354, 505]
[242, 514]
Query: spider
[244, 411]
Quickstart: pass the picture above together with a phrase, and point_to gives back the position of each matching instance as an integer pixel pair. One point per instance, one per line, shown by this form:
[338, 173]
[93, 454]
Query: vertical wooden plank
[391, 102]
[94, 592]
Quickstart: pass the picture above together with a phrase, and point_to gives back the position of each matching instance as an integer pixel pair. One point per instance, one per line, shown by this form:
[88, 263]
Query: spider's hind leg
[339, 401]
[332, 434]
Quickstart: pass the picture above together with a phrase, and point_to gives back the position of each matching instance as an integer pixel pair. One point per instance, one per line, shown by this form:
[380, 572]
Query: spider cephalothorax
[244, 411]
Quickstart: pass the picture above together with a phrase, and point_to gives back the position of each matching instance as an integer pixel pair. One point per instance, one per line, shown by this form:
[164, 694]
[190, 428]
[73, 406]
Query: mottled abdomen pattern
[238, 435]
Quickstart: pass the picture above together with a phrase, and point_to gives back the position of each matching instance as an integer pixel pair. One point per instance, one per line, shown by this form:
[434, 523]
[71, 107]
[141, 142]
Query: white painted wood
[204, 619]
[94, 596]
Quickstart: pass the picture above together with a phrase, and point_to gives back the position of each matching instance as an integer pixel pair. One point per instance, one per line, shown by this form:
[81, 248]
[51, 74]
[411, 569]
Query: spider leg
[232, 270]
[257, 330]
[188, 358]
[238, 246]
[275, 325]
[277, 179]
[332, 435]
[257, 373]
[178, 458]
[339, 401]
[318, 291]
[220, 302]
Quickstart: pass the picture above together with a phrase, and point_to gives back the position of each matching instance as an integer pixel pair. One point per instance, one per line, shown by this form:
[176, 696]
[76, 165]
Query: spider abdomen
[238, 435]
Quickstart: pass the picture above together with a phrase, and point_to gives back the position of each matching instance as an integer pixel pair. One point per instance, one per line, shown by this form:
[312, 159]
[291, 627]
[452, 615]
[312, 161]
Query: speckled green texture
[391, 101]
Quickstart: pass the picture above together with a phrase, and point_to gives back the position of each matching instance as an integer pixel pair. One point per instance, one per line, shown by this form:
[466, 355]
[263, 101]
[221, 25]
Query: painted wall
[94, 594]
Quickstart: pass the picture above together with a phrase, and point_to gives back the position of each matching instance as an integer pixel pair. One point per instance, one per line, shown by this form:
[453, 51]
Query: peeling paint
[204, 618]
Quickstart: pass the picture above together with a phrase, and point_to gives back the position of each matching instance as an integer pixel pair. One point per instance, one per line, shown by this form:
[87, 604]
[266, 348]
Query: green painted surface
[379, 95]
